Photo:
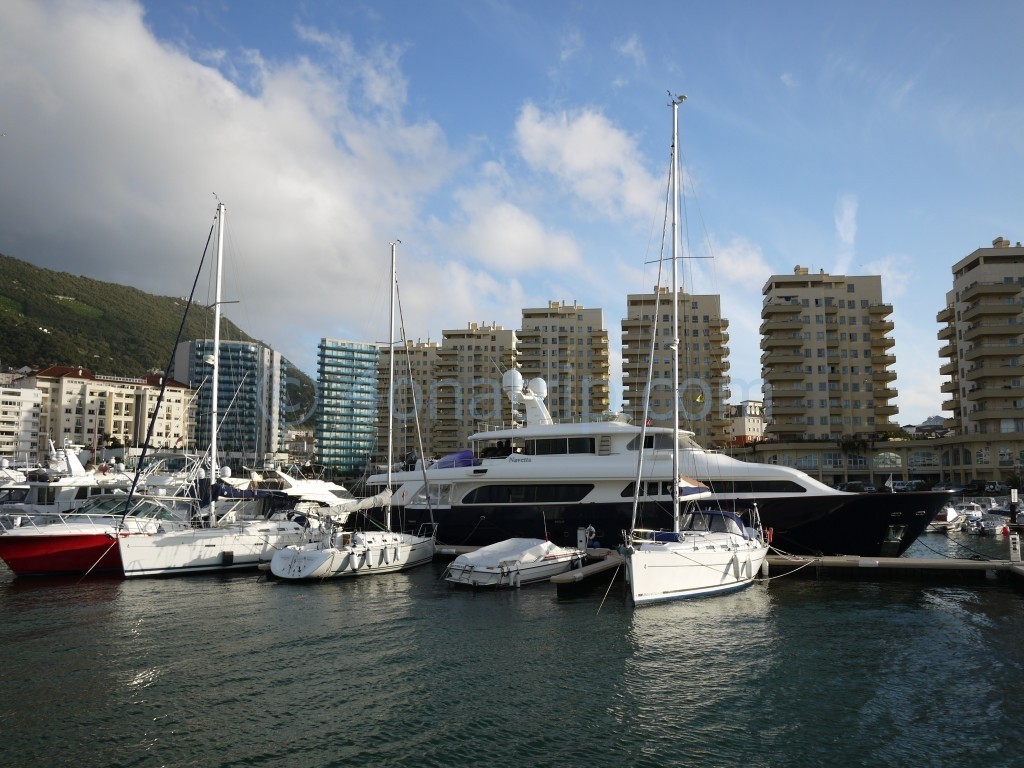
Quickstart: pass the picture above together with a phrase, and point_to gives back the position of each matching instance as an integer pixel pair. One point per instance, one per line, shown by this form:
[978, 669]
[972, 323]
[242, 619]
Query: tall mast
[391, 372]
[215, 376]
[676, 101]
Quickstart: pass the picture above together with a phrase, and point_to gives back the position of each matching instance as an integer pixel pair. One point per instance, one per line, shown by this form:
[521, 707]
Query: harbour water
[402, 670]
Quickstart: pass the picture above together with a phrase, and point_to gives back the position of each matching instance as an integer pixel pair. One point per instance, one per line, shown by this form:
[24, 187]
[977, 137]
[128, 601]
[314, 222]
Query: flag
[888, 483]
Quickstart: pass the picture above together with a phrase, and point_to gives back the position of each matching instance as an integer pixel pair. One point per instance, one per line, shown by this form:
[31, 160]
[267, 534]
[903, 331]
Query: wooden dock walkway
[895, 568]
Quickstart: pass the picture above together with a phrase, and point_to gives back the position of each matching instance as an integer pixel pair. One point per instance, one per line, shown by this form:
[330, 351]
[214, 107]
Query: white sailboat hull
[700, 565]
[205, 550]
[360, 554]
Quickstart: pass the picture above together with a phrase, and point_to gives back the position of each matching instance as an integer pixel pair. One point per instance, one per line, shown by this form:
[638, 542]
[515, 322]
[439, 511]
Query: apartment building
[647, 337]
[415, 428]
[983, 342]
[467, 394]
[825, 360]
[567, 346]
[80, 407]
[250, 390]
[746, 422]
[346, 408]
[20, 410]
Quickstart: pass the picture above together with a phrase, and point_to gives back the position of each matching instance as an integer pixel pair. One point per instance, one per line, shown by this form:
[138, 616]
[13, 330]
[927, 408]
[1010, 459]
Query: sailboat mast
[676, 101]
[215, 376]
[391, 372]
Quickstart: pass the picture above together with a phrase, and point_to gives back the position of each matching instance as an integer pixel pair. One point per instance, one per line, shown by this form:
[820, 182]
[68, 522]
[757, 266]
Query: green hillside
[55, 318]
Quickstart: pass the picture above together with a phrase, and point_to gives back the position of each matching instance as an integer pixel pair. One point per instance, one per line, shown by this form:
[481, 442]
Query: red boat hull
[60, 553]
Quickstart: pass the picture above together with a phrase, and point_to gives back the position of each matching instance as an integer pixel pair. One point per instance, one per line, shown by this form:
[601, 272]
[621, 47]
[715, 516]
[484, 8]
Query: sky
[518, 150]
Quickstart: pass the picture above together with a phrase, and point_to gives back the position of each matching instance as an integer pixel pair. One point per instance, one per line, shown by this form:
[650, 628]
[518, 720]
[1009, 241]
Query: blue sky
[519, 151]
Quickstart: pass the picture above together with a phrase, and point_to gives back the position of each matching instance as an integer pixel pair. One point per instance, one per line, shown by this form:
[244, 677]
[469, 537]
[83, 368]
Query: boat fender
[769, 534]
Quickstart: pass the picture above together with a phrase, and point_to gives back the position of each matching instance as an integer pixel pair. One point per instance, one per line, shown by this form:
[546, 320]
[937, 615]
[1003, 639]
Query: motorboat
[948, 520]
[85, 541]
[60, 487]
[513, 563]
[988, 525]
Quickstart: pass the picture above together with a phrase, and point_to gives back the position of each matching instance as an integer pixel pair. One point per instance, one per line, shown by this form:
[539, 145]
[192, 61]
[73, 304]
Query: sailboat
[343, 550]
[708, 551]
[219, 543]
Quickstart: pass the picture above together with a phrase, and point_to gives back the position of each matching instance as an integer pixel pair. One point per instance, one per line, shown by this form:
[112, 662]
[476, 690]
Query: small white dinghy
[513, 563]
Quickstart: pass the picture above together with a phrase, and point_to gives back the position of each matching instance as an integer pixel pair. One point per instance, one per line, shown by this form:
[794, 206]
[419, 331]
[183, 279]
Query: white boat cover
[522, 550]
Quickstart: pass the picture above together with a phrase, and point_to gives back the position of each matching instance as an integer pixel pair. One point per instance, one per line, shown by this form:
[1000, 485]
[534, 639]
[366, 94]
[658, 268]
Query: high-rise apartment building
[703, 361]
[467, 394]
[415, 385]
[250, 391]
[826, 363]
[983, 335]
[567, 346]
[346, 408]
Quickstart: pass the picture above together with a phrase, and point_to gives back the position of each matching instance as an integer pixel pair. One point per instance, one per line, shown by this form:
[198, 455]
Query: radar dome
[539, 387]
[512, 381]
[225, 471]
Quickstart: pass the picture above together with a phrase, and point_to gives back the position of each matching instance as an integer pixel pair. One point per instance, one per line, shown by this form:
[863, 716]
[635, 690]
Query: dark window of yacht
[554, 493]
[755, 486]
[659, 440]
[557, 446]
[663, 488]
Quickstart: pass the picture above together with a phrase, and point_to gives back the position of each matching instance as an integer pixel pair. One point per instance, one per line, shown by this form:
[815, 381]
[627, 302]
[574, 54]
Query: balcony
[783, 374]
[948, 369]
[995, 412]
[881, 326]
[877, 360]
[950, 386]
[978, 290]
[949, 332]
[946, 315]
[991, 393]
[886, 410]
[882, 310]
[883, 375]
[980, 372]
[783, 357]
[951, 405]
[882, 342]
[949, 350]
[779, 308]
[777, 340]
[787, 410]
[780, 324]
[981, 330]
[979, 351]
[990, 309]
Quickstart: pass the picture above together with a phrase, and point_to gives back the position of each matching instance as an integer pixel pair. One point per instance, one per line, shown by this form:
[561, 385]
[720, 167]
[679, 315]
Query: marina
[217, 670]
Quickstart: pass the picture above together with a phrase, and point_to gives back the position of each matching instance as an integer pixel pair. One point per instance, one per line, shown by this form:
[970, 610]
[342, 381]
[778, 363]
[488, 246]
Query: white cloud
[315, 162]
[846, 232]
[571, 45]
[789, 80]
[594, 160]
[632, 49]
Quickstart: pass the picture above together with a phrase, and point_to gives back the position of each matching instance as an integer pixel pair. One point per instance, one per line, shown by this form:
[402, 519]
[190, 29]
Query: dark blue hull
[869, 524]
